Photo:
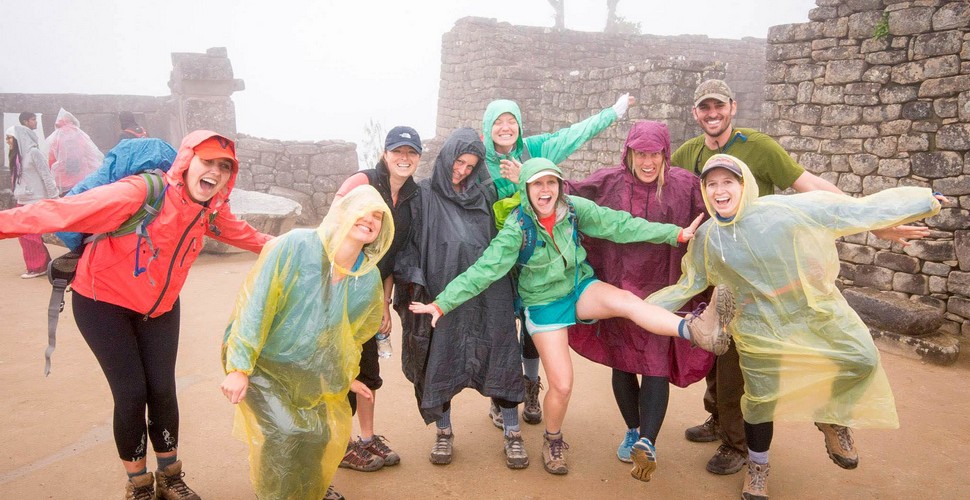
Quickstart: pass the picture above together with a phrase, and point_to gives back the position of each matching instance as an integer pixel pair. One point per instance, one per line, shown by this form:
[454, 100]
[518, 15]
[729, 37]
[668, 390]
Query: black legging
[138, 359]
[644, 404]
[759, 436]
[529, 350]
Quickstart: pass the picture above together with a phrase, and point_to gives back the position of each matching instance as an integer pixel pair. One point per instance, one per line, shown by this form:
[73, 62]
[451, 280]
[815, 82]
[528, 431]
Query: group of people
[495, 262]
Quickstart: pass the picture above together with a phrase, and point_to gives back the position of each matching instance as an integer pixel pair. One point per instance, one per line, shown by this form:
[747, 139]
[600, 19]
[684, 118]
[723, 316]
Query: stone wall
[869, 113]
[560, 77]
[305, 171]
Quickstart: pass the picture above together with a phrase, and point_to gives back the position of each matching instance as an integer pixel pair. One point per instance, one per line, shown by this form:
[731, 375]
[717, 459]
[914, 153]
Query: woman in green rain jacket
[558, 288]
[805, 354]
[292, 348]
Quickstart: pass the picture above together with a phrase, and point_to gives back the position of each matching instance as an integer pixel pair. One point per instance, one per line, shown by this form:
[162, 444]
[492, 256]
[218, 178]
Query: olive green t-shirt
[768, 161]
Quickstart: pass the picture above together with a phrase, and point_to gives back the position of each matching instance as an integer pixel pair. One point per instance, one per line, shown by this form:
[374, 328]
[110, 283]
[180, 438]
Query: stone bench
[268, 213]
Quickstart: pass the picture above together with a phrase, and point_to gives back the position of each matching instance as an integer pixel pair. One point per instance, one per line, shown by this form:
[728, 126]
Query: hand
[432, 309]
[510, 169]
[623, 103]
[900, 234]
[687, 233]
[234, 386]
[942, 199]
[385, 320]
[361, 390]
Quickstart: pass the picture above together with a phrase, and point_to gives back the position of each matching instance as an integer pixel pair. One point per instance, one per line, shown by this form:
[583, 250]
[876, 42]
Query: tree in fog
[619, 24]
[560, 15]
[373, 146]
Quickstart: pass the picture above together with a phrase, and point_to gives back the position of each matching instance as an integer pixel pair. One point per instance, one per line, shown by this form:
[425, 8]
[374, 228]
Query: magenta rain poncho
[805, 354]
[72, 154]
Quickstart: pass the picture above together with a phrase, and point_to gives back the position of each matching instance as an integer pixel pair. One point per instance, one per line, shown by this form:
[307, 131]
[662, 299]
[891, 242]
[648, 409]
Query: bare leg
[137, 465]
[365, 416]
[601, 300]
[554, 352]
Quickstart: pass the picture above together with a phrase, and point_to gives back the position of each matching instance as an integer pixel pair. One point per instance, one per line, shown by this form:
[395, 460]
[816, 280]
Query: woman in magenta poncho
[647, 186]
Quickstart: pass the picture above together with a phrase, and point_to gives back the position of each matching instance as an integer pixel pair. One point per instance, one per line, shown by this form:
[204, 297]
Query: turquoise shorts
[557, 314]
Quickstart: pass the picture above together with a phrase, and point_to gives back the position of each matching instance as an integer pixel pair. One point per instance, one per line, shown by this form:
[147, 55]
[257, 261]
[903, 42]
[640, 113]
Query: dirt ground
[57, 442]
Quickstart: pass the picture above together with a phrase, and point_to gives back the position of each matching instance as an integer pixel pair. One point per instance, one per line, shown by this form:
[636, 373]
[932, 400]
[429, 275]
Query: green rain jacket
[805, 354]
[297, 331]
[557, 264]
[556, 146]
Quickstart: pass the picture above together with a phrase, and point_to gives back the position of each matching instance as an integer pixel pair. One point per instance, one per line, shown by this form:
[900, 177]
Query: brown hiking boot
[726, 460]
[140, 487]
[554, 455]
[531, 410]
[708, 330]
[515, 455]
[839, 445]
[443, 448]
[756, 482]
[170, 486]
[378, 447]
[704, 433]
[358, 458]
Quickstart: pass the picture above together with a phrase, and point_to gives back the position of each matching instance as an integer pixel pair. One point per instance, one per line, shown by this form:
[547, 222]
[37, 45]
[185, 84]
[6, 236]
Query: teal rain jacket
[805, 354]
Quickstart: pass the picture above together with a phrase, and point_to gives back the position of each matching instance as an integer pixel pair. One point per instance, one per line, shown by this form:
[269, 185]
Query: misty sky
[339, 63]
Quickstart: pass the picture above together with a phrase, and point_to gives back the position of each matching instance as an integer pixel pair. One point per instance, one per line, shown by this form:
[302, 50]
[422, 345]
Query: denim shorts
[557, 314]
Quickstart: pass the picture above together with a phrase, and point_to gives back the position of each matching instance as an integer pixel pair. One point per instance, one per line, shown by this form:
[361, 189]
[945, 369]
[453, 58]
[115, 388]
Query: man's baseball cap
[716, 89]
[402, 136]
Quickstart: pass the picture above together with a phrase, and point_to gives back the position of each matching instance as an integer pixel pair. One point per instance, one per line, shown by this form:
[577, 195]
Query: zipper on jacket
[171, 265]
[187, 250]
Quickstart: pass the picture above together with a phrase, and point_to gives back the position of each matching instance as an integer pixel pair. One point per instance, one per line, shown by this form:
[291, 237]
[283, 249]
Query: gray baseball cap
[716, 89]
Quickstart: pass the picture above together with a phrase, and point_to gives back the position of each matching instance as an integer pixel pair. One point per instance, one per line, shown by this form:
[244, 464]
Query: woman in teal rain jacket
[558, 288]
[805, 354]
[292, 348]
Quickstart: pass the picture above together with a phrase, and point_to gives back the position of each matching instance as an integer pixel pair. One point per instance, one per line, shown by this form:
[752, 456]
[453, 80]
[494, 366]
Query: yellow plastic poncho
[805, 354]
[297, 330]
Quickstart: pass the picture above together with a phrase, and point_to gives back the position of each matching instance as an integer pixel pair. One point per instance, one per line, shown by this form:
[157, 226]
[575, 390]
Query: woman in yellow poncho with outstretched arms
[292, 348]
[805, 354]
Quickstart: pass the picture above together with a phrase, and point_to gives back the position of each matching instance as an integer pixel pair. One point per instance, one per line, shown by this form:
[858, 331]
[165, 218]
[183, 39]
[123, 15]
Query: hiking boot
[704, 433]
[140, 487]
[33, 274]
[623, 452]
[531, 411]
[726, 461]
[644, 457]
[170, 486]
[332, 494]
[708, 330]
[839, 445]
[378, 447]
[756, 482]
[515, 455]
[495, 413]
[358, 458]
[554, 455]
[443, 448]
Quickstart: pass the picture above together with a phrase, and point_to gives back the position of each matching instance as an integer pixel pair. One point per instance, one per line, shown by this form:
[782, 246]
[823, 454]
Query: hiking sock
[531, 368]
[144, 470]
[164, 462]
[682, 330]
[366, 441]
[510, 420]
[445, 421]
[758, 457]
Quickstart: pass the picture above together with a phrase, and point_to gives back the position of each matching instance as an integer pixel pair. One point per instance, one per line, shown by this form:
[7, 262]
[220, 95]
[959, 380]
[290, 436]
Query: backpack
[530, 239]
[147, 158]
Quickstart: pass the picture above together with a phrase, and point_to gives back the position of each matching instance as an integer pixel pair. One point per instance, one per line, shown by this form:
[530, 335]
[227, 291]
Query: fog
[338, 63]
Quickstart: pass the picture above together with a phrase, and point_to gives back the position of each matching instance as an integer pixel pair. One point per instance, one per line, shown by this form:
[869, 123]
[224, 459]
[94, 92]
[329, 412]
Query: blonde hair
[660, 176]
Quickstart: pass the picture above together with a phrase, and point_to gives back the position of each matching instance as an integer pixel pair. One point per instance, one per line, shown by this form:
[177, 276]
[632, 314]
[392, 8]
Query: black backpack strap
[60, 272]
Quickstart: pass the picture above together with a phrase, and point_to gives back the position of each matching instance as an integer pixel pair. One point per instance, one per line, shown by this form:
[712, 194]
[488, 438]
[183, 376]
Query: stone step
[887, 312]
[938, 348]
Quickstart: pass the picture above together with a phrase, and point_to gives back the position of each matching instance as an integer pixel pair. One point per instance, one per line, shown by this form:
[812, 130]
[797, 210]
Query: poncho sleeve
[845, 215]
[693, 277]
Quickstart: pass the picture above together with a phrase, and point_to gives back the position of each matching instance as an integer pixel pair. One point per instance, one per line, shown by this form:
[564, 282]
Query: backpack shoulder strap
[154, 197]
[529, 236]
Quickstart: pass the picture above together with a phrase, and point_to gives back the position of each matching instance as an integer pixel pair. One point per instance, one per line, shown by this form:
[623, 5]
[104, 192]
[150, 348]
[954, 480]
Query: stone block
[890, 313]
[877, 74]
[937, 43]
[861, 24]
[895, 94]
[937, 284]
[936, 251]
[856, 254]
[308, 216]
[816, 131]
[803, 113]
[946, 108]
[936, 269]
[911, 21]
[958, 282]
[950, 219]
[962, 244]
[863, 164]
[938, 348]
[959, 306]
[878, 114]
[938, 164]
[267, 213]
[917, 110]
[897, 262]
[841, 146]
[844, 71]
[955, 136]
[894, 168]
[944, 87]
[883, 147]
[913, 142]
[875, 183]
[850, 183]
[794, 143]
[847, 271]
[840, 114]
[876, 277]
[911, 283]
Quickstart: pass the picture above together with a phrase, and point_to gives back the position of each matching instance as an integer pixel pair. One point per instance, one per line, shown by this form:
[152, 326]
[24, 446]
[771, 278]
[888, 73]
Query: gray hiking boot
[531, 410]
[379, 448]
[704, 433]
[495, 413]
[708, 330]
[554, 455]
[726, 461]
[443, 449]
[515, 455]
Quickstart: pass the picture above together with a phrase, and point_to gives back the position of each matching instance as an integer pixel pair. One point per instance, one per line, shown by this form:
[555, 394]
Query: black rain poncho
[474, 346]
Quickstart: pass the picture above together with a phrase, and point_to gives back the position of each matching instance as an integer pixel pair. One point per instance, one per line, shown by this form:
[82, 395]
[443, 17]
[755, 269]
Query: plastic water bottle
[384, 349]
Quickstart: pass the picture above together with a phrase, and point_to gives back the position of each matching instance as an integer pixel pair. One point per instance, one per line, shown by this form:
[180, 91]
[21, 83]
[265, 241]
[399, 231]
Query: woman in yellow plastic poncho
[805, 354]
[292, 348]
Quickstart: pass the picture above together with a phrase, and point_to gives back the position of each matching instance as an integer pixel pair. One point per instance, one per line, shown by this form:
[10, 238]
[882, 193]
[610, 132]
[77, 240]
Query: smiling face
[647, 166]
[461, 169]
[367, 228]
[723, 190]
[715, 116]
[205, 178]
[543, 194]
[505, 132]
[402, 161]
